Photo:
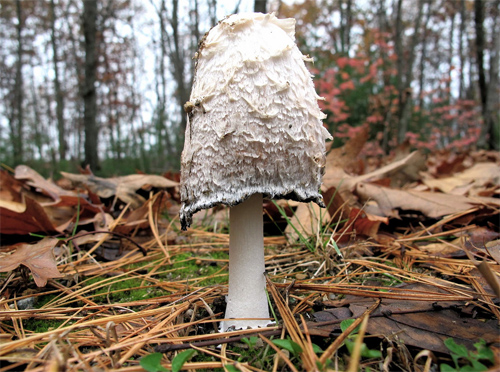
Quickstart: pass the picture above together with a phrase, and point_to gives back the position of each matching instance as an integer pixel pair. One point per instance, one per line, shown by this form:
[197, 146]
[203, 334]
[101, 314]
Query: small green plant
[287, 344]
[311, 243]
[460, 354]
[293, 347]
[349, 342]
[251, 341]
[152, 362]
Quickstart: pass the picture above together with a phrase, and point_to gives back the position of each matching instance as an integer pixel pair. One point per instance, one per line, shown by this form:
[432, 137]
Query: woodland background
[102, 83]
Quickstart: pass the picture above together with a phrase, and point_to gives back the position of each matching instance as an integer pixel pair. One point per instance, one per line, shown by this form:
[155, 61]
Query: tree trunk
[57, 87]
[212, 12]
[77, 121]
[38, 127]
[260, 6]
[450, 55]
[347, 32]
[398, 49]
[178, 63]
[165, 148]
[195, 32]
[345, 25]
[89, 89]
[405, 94]
[423, 56]
[490, 136]
[16, 120]
[462, 35]
[480, 43]
[383, 25]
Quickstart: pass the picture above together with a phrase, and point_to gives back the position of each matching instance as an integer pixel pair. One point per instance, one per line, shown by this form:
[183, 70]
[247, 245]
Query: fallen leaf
[443, 249]
[448, 162]
[306, 222]
[61, 198]
[362, 223]
[24, 355]
[336, 177]
[23, 172]
[409, 171]
[102, 222]
[345, 157]
[124, 188]
[10, 188]
[493, 249]
[477, 176]
[138, 218]
[431, 204]
[24, 218]
[38, 257]
[335, 204]
[423, 324]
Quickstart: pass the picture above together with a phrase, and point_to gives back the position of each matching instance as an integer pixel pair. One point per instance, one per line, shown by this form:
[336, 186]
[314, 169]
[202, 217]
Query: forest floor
[399, 273]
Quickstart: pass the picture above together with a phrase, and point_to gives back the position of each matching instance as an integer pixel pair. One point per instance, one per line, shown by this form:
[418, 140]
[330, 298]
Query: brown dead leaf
[443, 249]
[102, 222]
[124, 188]
[60, 209]
[10, 188]
[335, 203]
[429, 330]
[138, 218]
[24, 355]
[336, 177]
[447, 162]
[409, 171]
[37, 257]
[306, 221]
[423, 324]
[493, 249]
[24, 218]
[477, 176]
[345, 157]
[23, 172]
[431, 204]
[362, 223]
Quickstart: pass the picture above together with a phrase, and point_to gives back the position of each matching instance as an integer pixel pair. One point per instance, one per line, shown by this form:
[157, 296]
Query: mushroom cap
[254, 124]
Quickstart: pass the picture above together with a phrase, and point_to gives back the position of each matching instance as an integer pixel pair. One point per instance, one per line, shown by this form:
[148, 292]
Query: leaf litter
[408, 251]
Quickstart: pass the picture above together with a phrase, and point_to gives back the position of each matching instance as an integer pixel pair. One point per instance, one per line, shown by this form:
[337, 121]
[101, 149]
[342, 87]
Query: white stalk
[247, 295]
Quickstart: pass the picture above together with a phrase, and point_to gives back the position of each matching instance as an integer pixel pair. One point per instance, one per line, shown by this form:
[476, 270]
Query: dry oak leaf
[61, 198]
[306, 222]
[37, 257]
[10, 188]
[124, 188]
[477, 176]
[431, 204]
[138, 218]
[362, 223]
[23, 172]
[336, 177]
[24, 218]
[424, 324]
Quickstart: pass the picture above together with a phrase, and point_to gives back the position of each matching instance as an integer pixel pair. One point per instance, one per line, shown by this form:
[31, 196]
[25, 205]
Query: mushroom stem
[247, 284]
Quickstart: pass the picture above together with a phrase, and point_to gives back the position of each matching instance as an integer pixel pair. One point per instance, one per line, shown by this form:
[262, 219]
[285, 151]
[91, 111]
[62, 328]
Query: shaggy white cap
[254, 125]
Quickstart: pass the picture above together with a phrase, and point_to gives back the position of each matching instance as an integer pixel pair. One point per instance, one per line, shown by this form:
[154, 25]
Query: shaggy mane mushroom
[254, 130]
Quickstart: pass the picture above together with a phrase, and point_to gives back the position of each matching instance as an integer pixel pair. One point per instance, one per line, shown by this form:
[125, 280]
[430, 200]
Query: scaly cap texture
[254, 125]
